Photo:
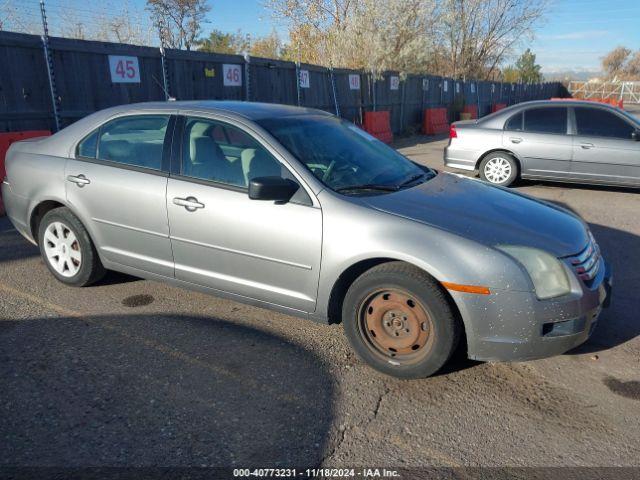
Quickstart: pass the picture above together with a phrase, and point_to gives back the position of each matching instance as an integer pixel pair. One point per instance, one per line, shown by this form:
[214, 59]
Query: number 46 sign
[231, 75]
[124, 69]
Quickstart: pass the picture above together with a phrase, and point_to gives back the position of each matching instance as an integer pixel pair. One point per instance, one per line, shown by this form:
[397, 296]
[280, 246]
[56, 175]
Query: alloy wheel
[497, 170]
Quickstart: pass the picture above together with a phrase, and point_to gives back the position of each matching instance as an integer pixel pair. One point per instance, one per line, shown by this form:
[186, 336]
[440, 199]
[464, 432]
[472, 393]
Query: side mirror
[277, 189]
[635, 135]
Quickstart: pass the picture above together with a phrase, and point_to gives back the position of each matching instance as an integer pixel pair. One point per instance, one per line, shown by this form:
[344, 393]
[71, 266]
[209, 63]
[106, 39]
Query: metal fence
[628, 92]
[48, 83]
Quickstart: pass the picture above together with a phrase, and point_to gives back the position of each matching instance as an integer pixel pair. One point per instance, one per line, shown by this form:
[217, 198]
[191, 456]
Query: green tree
[221, 42]
[510, 74]
[528, 70]
[178, 21]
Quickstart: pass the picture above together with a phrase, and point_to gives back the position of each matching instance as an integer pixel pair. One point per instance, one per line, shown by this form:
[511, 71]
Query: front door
[604, 149]
[117, 185]
[224, 240]
[538, 137]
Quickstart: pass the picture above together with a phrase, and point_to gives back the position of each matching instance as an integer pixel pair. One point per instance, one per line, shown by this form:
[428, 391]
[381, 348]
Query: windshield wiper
[411, 179]
[369, 186]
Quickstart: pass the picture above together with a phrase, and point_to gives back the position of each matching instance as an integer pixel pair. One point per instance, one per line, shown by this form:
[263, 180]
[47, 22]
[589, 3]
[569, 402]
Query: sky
[578, 33]
[574, 37]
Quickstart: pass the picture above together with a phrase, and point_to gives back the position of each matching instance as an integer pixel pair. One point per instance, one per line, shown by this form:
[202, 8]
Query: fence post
[402, 97]
[298, 82]
[165, 75]
[373, 88]
[333, 89]
[49, 61]
[247, 83]
[477, 87]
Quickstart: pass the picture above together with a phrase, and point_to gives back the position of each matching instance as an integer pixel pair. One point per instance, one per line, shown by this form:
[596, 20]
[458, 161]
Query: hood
[487, 214]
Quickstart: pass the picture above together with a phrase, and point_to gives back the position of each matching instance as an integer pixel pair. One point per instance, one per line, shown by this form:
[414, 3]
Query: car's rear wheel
[499, 168]
[398, 320]
[67, 249]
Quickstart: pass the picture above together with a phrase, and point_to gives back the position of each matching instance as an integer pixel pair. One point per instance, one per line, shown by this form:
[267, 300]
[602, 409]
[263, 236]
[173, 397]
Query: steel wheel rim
[62, 249]
[396, 326]
[497, 170]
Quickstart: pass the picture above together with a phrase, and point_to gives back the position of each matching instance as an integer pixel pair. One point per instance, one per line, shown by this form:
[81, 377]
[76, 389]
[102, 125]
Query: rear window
[546, 120]
[514, 123]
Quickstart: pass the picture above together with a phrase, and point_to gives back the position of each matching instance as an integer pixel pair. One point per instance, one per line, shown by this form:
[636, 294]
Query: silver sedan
[567, 141]
[299, 211]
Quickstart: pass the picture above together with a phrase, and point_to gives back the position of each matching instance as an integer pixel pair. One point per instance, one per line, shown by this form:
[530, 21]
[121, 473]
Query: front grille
[587, 262]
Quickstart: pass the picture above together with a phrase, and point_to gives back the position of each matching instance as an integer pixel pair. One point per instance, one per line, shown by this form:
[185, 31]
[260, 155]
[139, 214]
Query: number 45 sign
[124, 69]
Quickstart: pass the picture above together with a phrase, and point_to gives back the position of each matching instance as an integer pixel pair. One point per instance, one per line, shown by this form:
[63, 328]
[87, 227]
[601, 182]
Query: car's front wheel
[397, 319]
[499, 168]
[67, 249]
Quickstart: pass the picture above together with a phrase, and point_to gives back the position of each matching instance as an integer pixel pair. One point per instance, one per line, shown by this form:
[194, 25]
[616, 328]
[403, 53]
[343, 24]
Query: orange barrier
[6, 139]
[607, 101]
[472, 110]
[435, 121]
[378, 124]
[496, 107]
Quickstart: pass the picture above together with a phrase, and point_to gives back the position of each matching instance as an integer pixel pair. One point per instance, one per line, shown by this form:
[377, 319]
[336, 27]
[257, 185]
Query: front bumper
[516, 326]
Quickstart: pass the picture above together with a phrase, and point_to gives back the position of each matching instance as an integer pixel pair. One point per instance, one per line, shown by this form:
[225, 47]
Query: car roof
[248, 110]
[497, 119]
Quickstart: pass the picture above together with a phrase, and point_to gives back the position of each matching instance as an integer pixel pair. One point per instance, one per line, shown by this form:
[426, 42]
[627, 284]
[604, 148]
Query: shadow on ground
[141, 390]
[413, 140]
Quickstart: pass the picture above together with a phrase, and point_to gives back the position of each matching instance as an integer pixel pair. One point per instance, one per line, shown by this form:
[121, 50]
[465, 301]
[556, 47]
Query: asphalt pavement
[132, 372]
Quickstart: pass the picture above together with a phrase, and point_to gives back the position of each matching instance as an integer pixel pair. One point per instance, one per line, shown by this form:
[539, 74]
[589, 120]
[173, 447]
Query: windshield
[344, 157]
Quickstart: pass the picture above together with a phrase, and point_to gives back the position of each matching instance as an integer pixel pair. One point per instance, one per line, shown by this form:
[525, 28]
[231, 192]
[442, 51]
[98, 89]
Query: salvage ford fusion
[296, 210]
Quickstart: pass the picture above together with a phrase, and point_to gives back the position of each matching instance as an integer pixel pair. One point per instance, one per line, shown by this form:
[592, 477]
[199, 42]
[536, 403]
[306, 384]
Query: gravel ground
[136, 373]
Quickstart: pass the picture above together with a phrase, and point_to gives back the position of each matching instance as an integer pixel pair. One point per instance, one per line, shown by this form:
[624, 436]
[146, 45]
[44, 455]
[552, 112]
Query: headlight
[547, 272]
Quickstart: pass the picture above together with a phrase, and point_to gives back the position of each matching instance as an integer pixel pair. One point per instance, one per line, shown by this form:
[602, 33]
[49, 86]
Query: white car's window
[218, 152]
[600, 123]
[135, 140]
[546, 120]
[514, 123]
[89, 145]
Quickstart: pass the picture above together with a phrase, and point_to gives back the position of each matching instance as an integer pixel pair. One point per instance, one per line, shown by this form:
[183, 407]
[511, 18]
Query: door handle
[587, 146]
[515, 139]
[190, 203]
[79, 180]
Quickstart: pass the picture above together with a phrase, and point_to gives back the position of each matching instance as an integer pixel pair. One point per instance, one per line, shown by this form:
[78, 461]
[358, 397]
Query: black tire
[499, 160]
[400, 279]
[90, 268]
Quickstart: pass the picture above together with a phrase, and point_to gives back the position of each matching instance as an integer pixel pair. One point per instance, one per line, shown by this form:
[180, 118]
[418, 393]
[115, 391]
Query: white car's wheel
[67, 249]
[499, 168]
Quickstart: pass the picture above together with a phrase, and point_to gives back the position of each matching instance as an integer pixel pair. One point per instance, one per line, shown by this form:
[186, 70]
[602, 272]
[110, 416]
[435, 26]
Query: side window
[600, 123]
[514, 123]
[221, 153]
[546, 120]
[89, 145]
[136, 140]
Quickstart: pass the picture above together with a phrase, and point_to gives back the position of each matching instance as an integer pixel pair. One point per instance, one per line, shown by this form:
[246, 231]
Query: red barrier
[6, 139]
[610, 101]
[435, 121]
[378, 124]
[471, 109]
[496, 107]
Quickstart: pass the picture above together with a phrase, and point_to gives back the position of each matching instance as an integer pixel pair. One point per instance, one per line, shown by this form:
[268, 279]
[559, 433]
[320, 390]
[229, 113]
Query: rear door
[538, 137]
[603, 147]
[117, 184]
